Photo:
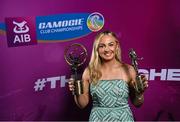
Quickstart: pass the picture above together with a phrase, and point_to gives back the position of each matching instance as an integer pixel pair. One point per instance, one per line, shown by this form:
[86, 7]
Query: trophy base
[139, 84]
[78, 87]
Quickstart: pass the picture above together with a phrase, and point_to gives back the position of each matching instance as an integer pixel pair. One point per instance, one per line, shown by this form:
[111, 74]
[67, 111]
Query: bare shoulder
[129, 69]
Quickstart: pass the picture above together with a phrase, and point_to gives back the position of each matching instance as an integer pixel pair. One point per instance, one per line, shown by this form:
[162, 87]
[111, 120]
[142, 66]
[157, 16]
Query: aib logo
[20, 31]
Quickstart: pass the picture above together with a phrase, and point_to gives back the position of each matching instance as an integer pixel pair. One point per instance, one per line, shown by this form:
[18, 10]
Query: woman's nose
[106, 48]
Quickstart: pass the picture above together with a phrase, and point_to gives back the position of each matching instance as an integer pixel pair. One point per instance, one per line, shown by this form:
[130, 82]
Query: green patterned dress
[110, 101]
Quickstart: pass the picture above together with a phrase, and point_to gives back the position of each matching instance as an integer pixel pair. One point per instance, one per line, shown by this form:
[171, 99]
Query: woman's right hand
[71, 84]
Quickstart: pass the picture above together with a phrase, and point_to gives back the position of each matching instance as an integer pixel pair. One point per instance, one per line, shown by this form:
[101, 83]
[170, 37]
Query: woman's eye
[111, 44]
[101, 46]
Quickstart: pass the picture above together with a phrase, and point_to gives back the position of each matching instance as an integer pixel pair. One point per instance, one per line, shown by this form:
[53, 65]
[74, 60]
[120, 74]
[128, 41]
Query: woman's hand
[144, 82]
[139, 89]
[71, 85]
[141, 84]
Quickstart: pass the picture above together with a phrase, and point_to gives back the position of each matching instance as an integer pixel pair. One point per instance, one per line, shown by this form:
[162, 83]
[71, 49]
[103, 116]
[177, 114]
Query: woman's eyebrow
[111, 42]
[101, 44]
[106, 43]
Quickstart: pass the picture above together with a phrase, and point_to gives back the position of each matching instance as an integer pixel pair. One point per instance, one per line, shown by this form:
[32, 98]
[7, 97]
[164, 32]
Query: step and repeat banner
[35, 34]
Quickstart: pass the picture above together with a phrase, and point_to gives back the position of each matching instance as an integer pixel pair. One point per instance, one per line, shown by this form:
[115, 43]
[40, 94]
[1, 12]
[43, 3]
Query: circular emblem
[95, 21]
[75, 54]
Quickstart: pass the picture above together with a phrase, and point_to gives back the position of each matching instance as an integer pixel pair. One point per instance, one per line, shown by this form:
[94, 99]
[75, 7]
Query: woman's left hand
[144, 82]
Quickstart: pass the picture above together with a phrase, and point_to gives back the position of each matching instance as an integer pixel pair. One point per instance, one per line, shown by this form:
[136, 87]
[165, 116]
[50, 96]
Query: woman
[109, 81]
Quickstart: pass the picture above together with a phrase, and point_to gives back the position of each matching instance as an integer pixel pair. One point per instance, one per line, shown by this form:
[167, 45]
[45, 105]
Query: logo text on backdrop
[20, 31]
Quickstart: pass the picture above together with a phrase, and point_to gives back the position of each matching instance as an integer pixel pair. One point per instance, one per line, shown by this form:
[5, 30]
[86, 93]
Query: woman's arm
[137, 98]
[83, 99]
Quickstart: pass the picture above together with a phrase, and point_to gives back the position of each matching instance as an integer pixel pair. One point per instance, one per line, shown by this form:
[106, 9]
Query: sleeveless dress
[110, 102]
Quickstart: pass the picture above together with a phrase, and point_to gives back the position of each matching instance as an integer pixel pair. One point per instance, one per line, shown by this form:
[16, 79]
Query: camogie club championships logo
[23, 31]
[95, 21]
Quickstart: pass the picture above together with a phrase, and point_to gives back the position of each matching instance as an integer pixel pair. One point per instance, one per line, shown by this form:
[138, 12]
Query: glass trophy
[75, 55]
[139, 87]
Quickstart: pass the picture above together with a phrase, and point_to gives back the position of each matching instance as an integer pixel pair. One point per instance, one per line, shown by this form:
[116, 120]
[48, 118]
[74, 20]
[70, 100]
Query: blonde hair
[95, 61]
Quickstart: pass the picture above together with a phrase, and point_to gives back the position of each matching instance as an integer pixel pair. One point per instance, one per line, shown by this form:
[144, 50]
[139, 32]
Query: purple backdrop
[151, 27]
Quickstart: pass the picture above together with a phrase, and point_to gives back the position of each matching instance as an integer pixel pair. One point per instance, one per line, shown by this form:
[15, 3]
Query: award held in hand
[138, 85]
[75, 55]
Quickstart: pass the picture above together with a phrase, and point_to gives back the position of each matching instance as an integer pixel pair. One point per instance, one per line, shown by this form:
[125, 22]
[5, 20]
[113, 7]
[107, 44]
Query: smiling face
[107, 48]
